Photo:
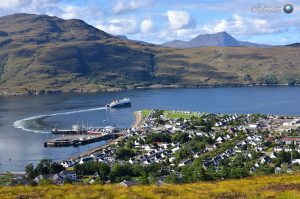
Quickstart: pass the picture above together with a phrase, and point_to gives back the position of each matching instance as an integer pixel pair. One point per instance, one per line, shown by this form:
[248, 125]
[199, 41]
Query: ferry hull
[128, 104]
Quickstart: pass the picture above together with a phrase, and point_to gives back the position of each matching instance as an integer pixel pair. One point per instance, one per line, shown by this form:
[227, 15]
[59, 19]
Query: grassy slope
[284, 186]
[229, 65]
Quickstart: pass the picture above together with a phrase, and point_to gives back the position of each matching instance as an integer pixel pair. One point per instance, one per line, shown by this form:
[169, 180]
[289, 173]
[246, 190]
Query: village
[169, 146]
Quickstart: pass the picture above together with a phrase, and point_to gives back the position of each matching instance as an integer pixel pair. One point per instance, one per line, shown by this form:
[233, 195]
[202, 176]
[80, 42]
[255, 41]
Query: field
[145, 112]
[282, 186]
[178, 114]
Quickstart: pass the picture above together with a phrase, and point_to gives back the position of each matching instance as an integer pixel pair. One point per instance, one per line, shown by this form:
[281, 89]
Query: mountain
[125, 38]
[44, 54]
[294, 45]
[65, 55]
[217, 39]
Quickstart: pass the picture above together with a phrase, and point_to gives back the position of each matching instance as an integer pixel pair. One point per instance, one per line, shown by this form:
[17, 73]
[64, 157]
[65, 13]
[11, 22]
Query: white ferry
[119, 103]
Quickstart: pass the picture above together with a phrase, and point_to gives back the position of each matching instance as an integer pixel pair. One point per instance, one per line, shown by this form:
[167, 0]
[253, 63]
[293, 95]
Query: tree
[55, 168]
[144, 180]
[239, 172]
[30, 171]
[103, 171]
[43, 167]
[158, 137]
[45, 181]
[120, 172]
[181, 137]
[6, 179]
[172, 179]
[265, 170]
[124, 153]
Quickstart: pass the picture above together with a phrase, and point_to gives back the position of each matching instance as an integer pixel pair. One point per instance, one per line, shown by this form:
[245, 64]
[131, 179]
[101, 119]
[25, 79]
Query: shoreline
[156, 86]
[138, 119]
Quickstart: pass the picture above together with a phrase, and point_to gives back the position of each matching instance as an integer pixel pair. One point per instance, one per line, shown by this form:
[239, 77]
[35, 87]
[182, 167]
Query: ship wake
[25, 123]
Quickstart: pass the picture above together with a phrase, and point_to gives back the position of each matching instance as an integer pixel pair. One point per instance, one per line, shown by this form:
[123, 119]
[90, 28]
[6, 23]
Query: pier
[77, 140]
[79, 130]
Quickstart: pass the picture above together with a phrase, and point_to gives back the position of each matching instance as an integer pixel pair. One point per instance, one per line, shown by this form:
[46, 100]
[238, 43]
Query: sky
[159, 21]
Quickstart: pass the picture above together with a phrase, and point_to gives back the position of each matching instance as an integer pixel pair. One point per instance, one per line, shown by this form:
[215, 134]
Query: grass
[145, 112]
[281, 186]
[176, 115]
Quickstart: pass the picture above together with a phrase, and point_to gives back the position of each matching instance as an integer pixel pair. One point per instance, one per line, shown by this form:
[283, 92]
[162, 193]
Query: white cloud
[14, 3]
[179, 19]
[129, 5]
[245, 26]
[79, 12]
[120, 26]
[146, 26]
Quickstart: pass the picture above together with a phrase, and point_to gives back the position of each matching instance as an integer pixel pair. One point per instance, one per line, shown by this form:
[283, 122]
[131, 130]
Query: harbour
[40, 114]
[80, 135]
[75, 140]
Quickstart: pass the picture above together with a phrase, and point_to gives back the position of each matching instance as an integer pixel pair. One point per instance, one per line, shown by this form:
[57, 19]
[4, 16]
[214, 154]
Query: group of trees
[124, 153]
[119, 172]
[158, 137]
[44, 167]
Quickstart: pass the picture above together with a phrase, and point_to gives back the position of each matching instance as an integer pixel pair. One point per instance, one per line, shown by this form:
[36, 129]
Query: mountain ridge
[216, 39]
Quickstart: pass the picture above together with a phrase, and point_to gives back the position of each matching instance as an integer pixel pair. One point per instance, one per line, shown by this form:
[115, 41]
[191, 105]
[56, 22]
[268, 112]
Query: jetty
[79, 135]
[75, 140]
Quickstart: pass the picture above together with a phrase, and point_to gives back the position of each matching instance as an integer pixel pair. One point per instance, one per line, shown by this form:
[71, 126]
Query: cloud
[179, 19]
[146, 26]
[123, 6]
[14, 3]
[245, 26]
[120, 26]
[79, 12]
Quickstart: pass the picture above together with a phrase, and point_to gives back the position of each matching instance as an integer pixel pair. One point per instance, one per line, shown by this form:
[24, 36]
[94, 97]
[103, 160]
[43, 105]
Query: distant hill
[43, 54]
[217, 39]
[294, 45]
[125, 38]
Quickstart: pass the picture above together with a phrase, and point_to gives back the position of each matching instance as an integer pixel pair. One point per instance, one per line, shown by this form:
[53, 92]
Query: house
[290, 140]
[40, 177]
[57, 179]
[66, 174]
[128, 183]
[252, 126]
[85, 159]
[175, 149]
[171, 159]
[19, 180]
[132, 161]
[273, 155]
[67, 164]
[266, 159]
[277, 170]
[110, 159]
[220, 139]
[296, 161]
[146, 162]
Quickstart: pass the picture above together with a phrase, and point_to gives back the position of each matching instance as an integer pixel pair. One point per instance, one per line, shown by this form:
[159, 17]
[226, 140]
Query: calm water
[36, 115]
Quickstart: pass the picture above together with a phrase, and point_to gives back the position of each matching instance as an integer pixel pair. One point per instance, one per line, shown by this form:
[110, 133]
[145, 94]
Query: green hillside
[41, 54]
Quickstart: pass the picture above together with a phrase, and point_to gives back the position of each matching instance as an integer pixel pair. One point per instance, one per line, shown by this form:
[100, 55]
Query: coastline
[138, 119]
[154, 86]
